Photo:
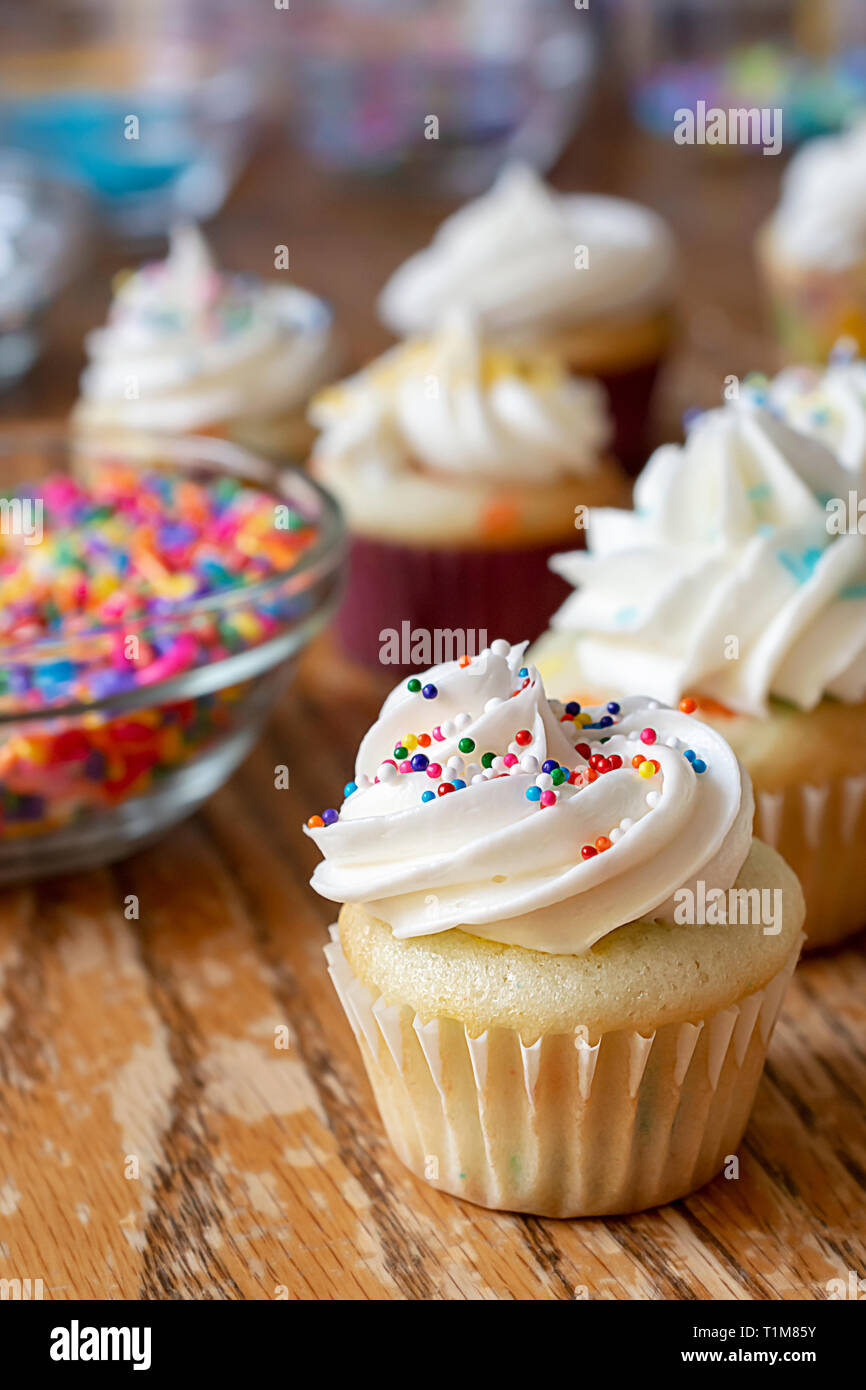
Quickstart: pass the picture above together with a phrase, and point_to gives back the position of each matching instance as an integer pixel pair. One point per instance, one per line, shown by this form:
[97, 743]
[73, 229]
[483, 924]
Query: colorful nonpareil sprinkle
[550, 778]
[94, 604]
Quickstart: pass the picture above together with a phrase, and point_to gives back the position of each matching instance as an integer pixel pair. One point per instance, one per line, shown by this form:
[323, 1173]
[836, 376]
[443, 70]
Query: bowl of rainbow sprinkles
[153, 599]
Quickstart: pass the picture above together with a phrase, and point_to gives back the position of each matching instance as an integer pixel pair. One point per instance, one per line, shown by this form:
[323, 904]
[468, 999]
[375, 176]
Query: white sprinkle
[387, 772]
[492, 703]
[529, 763]
[479, 777]
[498, 765]
[515, 767]
[615, 835]
[672, 742]
[626, 824]
[462, 720]
[448, 728]
[653, 799]
[500, 647]
[472, 771]
[455, 764]
[652, 704]
[544, 781]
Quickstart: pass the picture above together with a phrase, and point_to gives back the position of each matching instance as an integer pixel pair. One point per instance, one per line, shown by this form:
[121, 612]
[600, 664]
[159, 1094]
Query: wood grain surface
[156, 1139]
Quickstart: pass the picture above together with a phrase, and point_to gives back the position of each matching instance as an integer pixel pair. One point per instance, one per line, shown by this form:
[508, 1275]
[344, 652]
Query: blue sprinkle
[349, 788]
[429, 692]
[533, 793]
[613, 707]
[690, 754]
[625, 616]
[524, 671]
[549, 765]
[420, 762]
[458, 784]
[428, 796]
[699, 765]
[605, 721]
[572, 708]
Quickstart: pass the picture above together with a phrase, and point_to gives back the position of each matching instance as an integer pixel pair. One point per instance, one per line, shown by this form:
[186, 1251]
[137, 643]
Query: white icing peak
[726, 580]
[510, 256]
[187, 345]
[457, 406]
[507, 866]
[821, 218]
[828, 405]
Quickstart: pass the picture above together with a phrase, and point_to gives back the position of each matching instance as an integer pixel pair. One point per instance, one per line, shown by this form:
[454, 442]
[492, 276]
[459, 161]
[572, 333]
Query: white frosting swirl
[828, 405]
[502, 866]
[458, 407]
[821, 218]
[510, 256]
[186, 346]
[726, 580]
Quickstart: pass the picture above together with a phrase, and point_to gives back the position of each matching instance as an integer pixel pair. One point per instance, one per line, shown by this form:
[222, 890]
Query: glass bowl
[97, 759]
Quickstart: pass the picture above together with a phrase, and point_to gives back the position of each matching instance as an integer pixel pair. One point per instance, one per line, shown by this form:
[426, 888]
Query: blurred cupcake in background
[584, 277]
[546, 1024]
[461, 468]
[812, 250]
[727, 589]
[190, 349]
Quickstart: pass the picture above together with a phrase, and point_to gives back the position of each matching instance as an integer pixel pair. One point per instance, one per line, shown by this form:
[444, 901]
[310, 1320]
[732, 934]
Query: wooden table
[156, 1142]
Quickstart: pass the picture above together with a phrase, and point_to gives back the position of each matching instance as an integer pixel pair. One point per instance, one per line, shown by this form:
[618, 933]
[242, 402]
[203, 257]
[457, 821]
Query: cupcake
[189, 349]
[551, 1019]
[585, 277]
[812, 250]
[461, 468]
[728, 588]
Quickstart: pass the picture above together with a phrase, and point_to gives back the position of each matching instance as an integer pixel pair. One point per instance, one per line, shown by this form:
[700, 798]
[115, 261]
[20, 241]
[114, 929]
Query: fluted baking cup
[821, 832]
[563, 1126]
[478, 593]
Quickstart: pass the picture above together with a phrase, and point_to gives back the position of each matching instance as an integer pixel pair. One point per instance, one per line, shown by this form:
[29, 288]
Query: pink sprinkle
[390, 762]
[405, 766]
[438, 734]
[434, 769]
[648, 735]
[548, 798]
[510, 759]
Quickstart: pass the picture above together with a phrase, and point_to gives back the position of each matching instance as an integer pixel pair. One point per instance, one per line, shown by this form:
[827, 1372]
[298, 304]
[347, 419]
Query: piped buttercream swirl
[502, 854]
[727, 579]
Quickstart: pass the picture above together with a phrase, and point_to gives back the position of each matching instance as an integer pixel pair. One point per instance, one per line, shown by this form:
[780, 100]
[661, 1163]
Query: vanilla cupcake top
[827, 404]
[452, 410]
[479, 803]
[511, 256]
[727, 580]
[821, 218]
[187, 346]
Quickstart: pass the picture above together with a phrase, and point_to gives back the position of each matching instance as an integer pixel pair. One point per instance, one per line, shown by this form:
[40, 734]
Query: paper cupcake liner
[821, 832]
[812, 308]
[629, 397]
[427, 590]
[562, 1127]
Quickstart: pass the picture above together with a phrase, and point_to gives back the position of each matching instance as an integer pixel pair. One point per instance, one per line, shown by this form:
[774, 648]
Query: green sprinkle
[487, 759]
[467, 745]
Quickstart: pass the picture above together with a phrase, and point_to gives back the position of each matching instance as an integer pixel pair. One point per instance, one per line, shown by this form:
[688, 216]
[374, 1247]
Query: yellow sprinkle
[410, 742]
[581, 720]
[646, 769]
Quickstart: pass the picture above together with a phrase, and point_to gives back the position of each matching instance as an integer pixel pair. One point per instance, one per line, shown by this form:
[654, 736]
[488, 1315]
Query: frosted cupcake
[812, 250]
[728, 588]
[461, 469]
[188, 349]
[551, 1020]
[585, 277]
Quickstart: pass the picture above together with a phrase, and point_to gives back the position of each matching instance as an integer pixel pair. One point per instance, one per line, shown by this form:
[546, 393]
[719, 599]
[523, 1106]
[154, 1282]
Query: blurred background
[302, 122]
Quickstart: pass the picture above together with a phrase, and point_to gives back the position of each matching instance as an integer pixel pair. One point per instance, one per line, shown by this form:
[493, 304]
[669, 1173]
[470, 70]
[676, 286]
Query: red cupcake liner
[395, 590]
[629, 396]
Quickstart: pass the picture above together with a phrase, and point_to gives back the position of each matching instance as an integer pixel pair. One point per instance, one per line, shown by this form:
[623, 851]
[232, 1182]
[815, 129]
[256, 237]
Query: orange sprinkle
[638, 759]
[314, 822]
[688, 705]
[464, 660]
[603, 843]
